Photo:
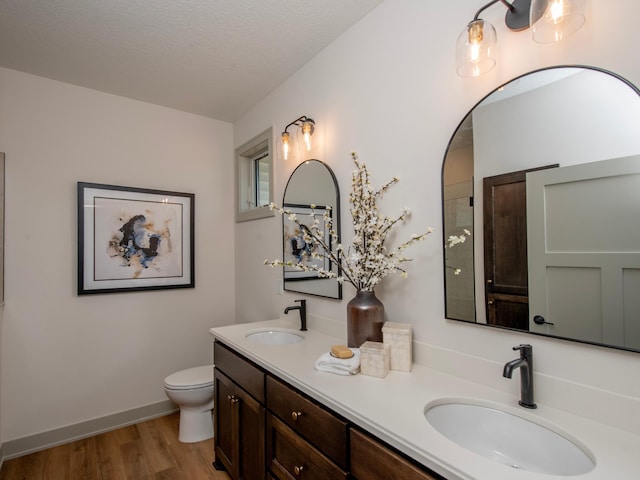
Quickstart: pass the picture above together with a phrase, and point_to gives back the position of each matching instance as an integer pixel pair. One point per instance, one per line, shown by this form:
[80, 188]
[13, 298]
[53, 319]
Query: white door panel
[584, 254]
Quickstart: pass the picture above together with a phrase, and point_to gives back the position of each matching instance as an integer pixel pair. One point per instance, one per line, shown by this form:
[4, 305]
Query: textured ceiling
[211, 57]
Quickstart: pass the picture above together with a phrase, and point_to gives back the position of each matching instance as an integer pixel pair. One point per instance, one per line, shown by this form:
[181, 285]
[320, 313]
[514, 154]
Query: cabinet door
[251, 427]
[240, 424]
[371, 460]
[226, 425]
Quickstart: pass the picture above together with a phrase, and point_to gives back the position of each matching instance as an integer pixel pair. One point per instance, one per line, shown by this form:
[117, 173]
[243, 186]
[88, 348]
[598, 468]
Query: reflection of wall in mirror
[458, 213]
[311, 183]
[535, 128]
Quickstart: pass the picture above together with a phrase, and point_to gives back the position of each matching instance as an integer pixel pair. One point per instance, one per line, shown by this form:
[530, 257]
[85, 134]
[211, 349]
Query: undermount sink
[508, 439]
[274, 336]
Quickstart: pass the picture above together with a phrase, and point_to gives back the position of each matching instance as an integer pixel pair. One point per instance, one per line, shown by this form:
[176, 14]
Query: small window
[254, 174]
[261, 167]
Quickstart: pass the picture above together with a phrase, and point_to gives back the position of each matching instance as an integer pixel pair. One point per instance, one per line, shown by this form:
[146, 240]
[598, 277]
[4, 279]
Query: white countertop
[392, 408]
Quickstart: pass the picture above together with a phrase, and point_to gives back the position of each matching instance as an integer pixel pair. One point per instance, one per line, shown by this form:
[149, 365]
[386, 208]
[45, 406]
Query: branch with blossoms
[313, 234]
[367, 261]
[454, 240]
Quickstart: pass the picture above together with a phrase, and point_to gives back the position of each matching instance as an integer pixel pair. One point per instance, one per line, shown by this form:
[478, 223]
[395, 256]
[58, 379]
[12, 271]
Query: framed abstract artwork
[133, 239]
[299, 251]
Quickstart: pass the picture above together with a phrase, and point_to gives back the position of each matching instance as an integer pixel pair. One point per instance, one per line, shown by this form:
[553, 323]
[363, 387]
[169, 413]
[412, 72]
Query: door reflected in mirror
[312, 191]
[548, 242]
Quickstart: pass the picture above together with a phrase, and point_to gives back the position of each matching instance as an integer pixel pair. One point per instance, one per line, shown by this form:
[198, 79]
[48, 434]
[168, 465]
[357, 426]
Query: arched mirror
[545, 173]
[312, 189]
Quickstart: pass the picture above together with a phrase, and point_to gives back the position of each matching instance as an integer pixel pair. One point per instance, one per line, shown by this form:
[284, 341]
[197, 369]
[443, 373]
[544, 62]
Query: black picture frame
[134, 239]
[291, 234]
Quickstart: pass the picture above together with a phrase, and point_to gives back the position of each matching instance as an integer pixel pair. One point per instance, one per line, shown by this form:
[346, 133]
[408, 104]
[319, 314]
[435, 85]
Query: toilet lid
[196, 377]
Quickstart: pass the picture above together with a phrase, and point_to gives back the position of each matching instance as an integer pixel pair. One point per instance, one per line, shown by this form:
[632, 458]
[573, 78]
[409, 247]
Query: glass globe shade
[553, 20]
[476, 49]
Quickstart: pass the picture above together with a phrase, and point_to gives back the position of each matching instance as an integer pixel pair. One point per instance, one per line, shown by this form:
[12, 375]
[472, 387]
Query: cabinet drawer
[316, 424]
[371, 460]
[244, 373]
[290, 456]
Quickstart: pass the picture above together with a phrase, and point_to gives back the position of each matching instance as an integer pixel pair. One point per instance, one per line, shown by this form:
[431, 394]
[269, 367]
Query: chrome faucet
[525, 363]
[303, 313]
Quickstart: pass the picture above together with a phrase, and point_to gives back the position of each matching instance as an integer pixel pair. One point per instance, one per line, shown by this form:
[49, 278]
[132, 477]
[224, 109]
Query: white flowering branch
[367, 261]
[454, 240]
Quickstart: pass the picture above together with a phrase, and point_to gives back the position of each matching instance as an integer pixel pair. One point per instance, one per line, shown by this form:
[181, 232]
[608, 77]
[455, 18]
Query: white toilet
[192, 391]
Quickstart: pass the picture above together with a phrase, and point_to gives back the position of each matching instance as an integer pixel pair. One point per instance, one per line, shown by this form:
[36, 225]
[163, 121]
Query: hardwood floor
[146, 451]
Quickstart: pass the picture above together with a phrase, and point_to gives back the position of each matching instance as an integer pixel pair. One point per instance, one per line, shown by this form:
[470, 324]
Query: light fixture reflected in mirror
[552, 21]
[307, 127]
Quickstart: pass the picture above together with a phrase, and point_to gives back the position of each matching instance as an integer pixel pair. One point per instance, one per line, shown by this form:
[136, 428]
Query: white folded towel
[339, 366]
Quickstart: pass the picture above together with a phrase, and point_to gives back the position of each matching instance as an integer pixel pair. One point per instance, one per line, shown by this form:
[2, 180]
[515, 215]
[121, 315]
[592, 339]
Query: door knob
[539, 320]
[298, 470]
[295, 416]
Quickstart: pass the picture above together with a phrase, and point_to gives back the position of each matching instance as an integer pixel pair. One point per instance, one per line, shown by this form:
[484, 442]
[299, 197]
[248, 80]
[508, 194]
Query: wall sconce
[550, 21]
[307, 127]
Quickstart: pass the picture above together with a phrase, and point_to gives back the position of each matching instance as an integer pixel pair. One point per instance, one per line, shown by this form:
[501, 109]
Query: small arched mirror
[545, 173]
[312, 189]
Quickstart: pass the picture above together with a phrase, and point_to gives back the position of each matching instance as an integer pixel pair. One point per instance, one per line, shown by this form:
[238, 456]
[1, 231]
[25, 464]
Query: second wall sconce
[306, 126]
[550, 21]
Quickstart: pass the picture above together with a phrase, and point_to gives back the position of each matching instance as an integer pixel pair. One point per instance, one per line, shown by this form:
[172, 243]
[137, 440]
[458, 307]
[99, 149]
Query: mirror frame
[442, 193]
[336, 226]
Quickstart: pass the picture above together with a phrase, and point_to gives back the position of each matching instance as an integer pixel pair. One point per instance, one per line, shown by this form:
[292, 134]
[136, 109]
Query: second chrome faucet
[525, 364]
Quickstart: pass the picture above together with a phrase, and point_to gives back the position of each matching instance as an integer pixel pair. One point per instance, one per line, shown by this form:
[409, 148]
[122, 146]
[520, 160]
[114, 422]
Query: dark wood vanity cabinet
[239, 416]
[266, 429]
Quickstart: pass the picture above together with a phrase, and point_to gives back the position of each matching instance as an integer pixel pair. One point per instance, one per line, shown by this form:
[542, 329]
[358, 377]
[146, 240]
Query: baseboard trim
[41, 441]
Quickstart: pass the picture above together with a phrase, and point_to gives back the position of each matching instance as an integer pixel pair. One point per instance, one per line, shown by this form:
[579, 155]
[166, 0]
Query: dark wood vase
[365, 316]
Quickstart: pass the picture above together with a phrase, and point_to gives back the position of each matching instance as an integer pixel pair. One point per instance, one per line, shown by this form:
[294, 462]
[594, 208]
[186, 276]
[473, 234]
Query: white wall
[66, 359]
[388, 89]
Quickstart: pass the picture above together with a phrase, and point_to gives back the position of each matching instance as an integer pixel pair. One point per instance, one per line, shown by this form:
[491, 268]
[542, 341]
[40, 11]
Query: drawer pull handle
[232, 398]
[298, 469]
[295, 416]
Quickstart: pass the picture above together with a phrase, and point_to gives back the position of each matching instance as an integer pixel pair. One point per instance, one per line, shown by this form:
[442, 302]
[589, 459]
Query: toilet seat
[190, 379]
